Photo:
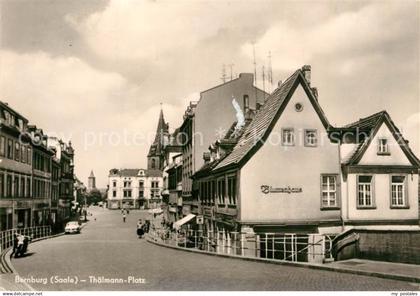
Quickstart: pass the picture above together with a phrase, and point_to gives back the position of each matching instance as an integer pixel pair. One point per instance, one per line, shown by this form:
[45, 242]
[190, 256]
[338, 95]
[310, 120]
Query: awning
[155, 211]
[182, 221]
[165, 192]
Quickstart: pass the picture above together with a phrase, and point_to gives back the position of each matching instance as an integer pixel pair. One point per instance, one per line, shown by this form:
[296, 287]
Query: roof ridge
[363, 119]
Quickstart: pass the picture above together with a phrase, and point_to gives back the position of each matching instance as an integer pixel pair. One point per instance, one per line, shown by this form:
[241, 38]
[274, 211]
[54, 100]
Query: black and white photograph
[209, 146]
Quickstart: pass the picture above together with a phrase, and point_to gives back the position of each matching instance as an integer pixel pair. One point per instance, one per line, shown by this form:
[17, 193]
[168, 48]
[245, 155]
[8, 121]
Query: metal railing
[7, 236]
[276, 246]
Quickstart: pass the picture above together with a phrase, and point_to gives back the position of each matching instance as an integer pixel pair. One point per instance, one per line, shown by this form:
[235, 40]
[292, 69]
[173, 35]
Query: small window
[329, 191]
[2, 146]
[288, 137]
[114, 193]
[365, 192]
[17, 151]
[1, 185]
[114, 183]
[29, 150]
[10, 149]
[311, 139]
[383, 148]
[398, 191]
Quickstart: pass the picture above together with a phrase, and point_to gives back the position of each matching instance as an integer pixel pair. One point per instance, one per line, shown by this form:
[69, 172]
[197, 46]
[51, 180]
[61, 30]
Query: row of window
[365, 191]
[310, 137]
[15, 150]
[311, 140]
[127, 184]
[12, 186]
[222, 189]
[42, 162]
[127, 193]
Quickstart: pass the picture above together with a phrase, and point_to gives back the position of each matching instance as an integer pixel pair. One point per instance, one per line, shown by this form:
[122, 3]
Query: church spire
[155, 155]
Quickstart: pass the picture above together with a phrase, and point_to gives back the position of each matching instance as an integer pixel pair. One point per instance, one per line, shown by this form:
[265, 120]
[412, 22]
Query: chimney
[246, 104]
[315, 92]
[279, 83]
[307, 73]
[206, 157]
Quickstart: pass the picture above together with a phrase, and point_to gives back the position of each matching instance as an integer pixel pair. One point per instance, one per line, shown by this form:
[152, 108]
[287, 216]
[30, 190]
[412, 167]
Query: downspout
[342, 176]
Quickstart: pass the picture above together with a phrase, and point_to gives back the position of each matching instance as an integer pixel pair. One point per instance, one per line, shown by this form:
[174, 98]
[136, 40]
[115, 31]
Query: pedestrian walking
[140, 228]
[124, 217]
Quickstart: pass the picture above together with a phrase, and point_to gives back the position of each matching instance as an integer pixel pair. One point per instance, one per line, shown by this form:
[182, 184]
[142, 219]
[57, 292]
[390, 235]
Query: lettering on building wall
[266, 189]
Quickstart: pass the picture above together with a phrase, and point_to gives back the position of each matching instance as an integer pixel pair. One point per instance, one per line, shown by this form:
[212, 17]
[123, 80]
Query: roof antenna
[223, 73]
[270, 72]
[231, 68]
[255, 64]
[263, 78]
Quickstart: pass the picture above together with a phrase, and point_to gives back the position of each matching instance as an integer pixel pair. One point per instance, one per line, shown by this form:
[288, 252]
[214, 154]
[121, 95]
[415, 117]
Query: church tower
[155, 157]
[91, 181]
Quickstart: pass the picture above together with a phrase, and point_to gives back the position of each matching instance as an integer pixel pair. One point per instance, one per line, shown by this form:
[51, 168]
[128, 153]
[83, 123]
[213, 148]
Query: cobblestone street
[110, 248]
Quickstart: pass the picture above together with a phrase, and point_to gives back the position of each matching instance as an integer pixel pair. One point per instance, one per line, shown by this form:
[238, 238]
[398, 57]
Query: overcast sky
[96, 71]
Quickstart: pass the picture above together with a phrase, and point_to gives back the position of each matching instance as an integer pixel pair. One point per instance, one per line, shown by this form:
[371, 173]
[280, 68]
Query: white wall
[296, 166]
[382, 198]
[397, 156]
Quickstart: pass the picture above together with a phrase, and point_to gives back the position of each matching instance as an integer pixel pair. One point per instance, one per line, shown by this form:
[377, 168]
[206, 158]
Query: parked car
[72, 227]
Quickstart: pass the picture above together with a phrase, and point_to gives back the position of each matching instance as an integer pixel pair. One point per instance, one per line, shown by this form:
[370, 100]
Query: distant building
[155, 157]
[91, 181]
[208, 120]
[134, 188]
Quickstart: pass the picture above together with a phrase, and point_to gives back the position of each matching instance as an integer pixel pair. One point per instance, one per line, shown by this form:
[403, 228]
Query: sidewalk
[398, 271]
[8, 280]
[387, 270]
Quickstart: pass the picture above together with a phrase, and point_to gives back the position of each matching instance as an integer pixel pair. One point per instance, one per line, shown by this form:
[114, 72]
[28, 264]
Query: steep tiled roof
[255, 131]
[369, 122]
[372, 124]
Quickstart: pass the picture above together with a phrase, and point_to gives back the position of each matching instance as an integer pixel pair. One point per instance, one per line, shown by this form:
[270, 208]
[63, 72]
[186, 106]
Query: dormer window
[383, 147]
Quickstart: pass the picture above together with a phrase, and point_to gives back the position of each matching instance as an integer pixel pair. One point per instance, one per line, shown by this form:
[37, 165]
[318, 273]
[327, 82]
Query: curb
[398, 277]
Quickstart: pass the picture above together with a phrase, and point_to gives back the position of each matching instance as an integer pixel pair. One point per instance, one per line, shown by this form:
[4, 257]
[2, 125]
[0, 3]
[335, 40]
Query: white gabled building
[134, 188]
[379, 175]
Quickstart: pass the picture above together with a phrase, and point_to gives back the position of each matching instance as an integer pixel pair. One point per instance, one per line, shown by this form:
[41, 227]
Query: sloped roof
[368, 122]
[372, 123]
[260, 127]
[135, 173]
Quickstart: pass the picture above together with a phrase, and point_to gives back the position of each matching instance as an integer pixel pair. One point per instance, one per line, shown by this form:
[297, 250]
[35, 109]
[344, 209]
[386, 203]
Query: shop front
[6, 218]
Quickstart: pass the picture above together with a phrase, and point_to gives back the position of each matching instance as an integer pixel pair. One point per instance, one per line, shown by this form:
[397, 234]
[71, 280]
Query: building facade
[30, 174]
[15, 170]
[134, 188]
[291, 171]
[208, 120]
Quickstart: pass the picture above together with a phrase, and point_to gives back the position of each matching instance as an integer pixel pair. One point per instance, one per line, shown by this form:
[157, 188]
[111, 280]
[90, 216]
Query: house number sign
[266, 189]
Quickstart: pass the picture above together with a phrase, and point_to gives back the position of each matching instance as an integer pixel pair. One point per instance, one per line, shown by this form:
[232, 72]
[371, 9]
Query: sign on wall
[200, 219]
[266, 189]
